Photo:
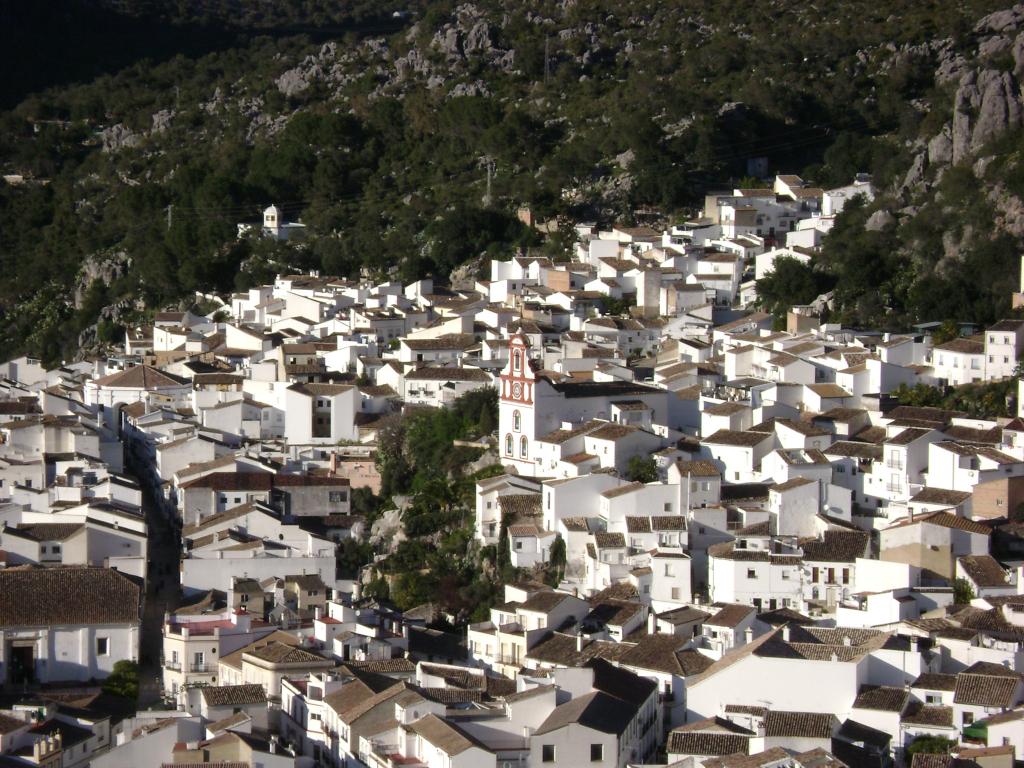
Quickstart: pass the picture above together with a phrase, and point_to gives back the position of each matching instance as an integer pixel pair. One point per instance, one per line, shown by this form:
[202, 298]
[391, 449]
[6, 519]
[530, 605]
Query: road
[162, 592]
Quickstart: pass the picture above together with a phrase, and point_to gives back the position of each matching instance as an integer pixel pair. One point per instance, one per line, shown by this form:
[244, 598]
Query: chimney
[579, 642]
[748, 635]
[785, 633]
[334, 463]
[273, 743]
[316, 613]
[846, 641]
[913, 643]
[652, 623]
[834, 658]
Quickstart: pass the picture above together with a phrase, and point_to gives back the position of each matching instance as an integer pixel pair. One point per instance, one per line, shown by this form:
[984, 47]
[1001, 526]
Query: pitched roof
[983, 570]
[836, 546]
[141, 377]
[445, 735]
[51, 596]
[815, 725]
[987, 685]
[598, 711]
[223, 695]
[921, 714]
[882, 697]
[703, 743]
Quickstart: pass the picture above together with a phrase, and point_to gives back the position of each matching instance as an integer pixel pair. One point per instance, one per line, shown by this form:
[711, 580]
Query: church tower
[516, 416]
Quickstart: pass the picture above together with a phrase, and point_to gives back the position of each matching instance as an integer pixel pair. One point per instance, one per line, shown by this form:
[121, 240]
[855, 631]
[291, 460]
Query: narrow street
[162, 593]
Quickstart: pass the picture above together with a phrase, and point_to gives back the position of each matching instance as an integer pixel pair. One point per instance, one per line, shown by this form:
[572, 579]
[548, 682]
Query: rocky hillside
[944, 240]
[378, 129]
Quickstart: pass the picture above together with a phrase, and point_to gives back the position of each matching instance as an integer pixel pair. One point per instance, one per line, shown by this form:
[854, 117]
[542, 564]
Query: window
[785, 575]
[517, 421]
[523, 447]
[751, 573]
[517, 361]
[508, 444]
[337, 497]
[102, 646]
[846, 575]
[596, 753]
[675, 593]
[669, 570]
[968, 718]
[519, 544]
[547, 753]
[932, 698]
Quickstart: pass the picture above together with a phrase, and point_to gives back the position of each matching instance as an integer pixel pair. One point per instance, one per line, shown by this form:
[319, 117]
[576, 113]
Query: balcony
[174, 666]
[202, 669]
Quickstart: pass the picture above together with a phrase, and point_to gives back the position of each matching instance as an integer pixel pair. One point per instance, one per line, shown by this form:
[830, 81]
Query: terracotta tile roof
[812, 725]
[281, 653]
[836, 546]
[224, 695]
[943, 496]
[946, 520]
[714, 744]
[49, 531]
[730, 615]
[638, 524]
[67, 596]
[882, 697]
[920, 714]
[698, 468]
[856, 450]
[986, 685]
[605, 540]
[141, 377]
[935, 681]
[984, 570]
[733, 437]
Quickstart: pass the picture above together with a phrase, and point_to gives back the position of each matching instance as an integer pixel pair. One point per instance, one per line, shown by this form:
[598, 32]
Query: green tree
[123, 680]
[556, 562]
[931, 745]
[947, 331]
[963, 592]
[791, 282]
[642, 469]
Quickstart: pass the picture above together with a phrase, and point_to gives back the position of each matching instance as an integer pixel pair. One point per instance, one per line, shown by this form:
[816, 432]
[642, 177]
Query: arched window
[523, 445]
[508, 444]
[517, 360]
[517, 421]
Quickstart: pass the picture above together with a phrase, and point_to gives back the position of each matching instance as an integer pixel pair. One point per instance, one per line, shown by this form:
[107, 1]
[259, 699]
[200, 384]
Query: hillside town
[733, 546]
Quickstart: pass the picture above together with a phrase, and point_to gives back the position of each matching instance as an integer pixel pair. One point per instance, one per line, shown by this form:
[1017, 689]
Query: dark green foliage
[556, 562]
[791, 282]
[642, 469]
[123, 680]
[351, 556]
[931, 745]
[963, 593]
[418, 450]
[393, 180]
[983, 400]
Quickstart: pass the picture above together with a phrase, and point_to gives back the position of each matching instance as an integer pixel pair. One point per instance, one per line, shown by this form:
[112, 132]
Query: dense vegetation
[437, 560]
[381, 142]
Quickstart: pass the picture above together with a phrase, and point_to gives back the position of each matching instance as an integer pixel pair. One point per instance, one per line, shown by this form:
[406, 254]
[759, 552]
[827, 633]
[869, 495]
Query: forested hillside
[375, 123]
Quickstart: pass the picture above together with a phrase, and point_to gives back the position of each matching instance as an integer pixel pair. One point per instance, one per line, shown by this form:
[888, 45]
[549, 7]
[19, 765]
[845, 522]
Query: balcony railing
[174, 666]
[202, 668]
